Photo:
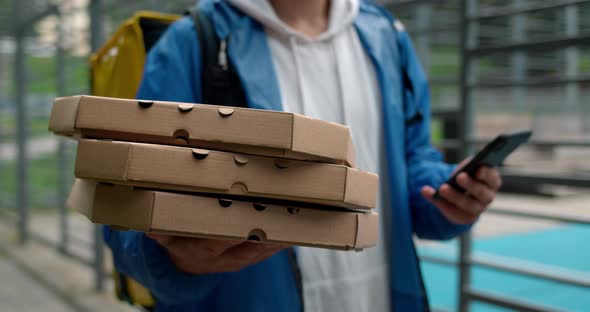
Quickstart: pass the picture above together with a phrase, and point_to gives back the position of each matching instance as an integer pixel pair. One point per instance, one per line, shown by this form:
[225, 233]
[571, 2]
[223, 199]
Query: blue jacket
[172, 73]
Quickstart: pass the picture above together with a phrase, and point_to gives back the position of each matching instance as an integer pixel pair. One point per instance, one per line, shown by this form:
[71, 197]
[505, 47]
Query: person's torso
[334, 80]
[270, 285]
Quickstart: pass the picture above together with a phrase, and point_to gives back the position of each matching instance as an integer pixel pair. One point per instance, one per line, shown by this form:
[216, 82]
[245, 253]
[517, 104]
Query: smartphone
[492, 155]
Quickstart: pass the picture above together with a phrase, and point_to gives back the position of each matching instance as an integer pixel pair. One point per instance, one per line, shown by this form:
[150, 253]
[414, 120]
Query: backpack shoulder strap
[220, 83]
[413, 113]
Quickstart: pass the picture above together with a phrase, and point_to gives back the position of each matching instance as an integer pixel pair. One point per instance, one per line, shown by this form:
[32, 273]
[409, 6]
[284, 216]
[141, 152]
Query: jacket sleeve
[171, 73]
[425, 163]
[141, 258]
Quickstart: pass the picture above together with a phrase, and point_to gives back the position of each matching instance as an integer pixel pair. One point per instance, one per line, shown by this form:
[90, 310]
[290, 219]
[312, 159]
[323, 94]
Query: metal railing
[458, 143]
[468, 259]
[27, 15]
[24, 21]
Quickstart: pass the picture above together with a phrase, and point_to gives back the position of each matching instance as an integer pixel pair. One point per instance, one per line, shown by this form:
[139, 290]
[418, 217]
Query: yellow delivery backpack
[116, 70]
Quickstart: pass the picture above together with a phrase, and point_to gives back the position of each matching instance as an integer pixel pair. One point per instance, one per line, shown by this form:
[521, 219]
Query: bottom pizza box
[209, 217]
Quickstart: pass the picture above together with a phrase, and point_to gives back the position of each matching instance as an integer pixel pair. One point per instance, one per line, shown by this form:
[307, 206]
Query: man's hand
[465, 208]
[200, 255]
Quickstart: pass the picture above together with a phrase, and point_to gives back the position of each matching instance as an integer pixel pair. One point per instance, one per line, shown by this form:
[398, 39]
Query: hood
[342, 14]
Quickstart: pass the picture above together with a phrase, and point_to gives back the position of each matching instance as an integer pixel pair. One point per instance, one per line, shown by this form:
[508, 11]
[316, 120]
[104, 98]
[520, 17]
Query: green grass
[42, 74]
[43, 182]
[444, 66]
[444, 61]
[37, 127]
[585, 63]
[436, 131]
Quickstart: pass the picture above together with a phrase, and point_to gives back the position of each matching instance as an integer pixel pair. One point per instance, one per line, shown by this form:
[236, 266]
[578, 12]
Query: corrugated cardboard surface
[366, 238]
[176, 168]
[82, 196]
[313, 137]
[257, 132]
[63, 115]
[189, 215]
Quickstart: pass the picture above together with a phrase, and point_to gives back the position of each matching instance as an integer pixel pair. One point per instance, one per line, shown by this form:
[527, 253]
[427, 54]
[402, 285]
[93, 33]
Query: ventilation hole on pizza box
[185, 108]
[225, 111]
[294, 211]
[239, 188]
[282, 163]
[180, 136]
[240, 159]
[200, 154]
[257, 235]
[259, 207]
[225, 202]
[145, 104]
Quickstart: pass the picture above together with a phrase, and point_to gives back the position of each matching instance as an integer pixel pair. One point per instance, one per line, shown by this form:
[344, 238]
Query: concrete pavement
[22, 293]
[36, 277]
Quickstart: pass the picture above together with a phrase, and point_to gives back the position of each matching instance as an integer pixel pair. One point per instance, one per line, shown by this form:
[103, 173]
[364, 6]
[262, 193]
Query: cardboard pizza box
[248, 131]
[204, 171]
[209, 217]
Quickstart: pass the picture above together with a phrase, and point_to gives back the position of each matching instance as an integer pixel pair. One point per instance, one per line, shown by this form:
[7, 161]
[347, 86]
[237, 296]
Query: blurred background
[494, 66]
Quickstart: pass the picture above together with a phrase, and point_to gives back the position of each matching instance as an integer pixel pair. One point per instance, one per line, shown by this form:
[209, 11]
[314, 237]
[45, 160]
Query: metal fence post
[572, 65]
[518, 59]
[3, 201]
[423, 21]
[96, 37]
[20, 78]
[464, 271]
[467, 40]
[61, 151]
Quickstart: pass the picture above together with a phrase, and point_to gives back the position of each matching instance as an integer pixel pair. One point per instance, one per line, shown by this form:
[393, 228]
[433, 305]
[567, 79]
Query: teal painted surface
[566, 247]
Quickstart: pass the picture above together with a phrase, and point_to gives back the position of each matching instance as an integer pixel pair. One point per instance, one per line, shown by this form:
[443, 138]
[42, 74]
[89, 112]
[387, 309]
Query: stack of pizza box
[217, 172]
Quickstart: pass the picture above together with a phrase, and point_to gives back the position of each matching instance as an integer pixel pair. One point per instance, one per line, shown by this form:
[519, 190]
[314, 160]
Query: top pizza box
[232, 129]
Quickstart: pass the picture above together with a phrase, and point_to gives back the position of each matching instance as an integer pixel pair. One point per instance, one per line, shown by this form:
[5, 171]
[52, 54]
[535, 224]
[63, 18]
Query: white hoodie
[330, 77]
